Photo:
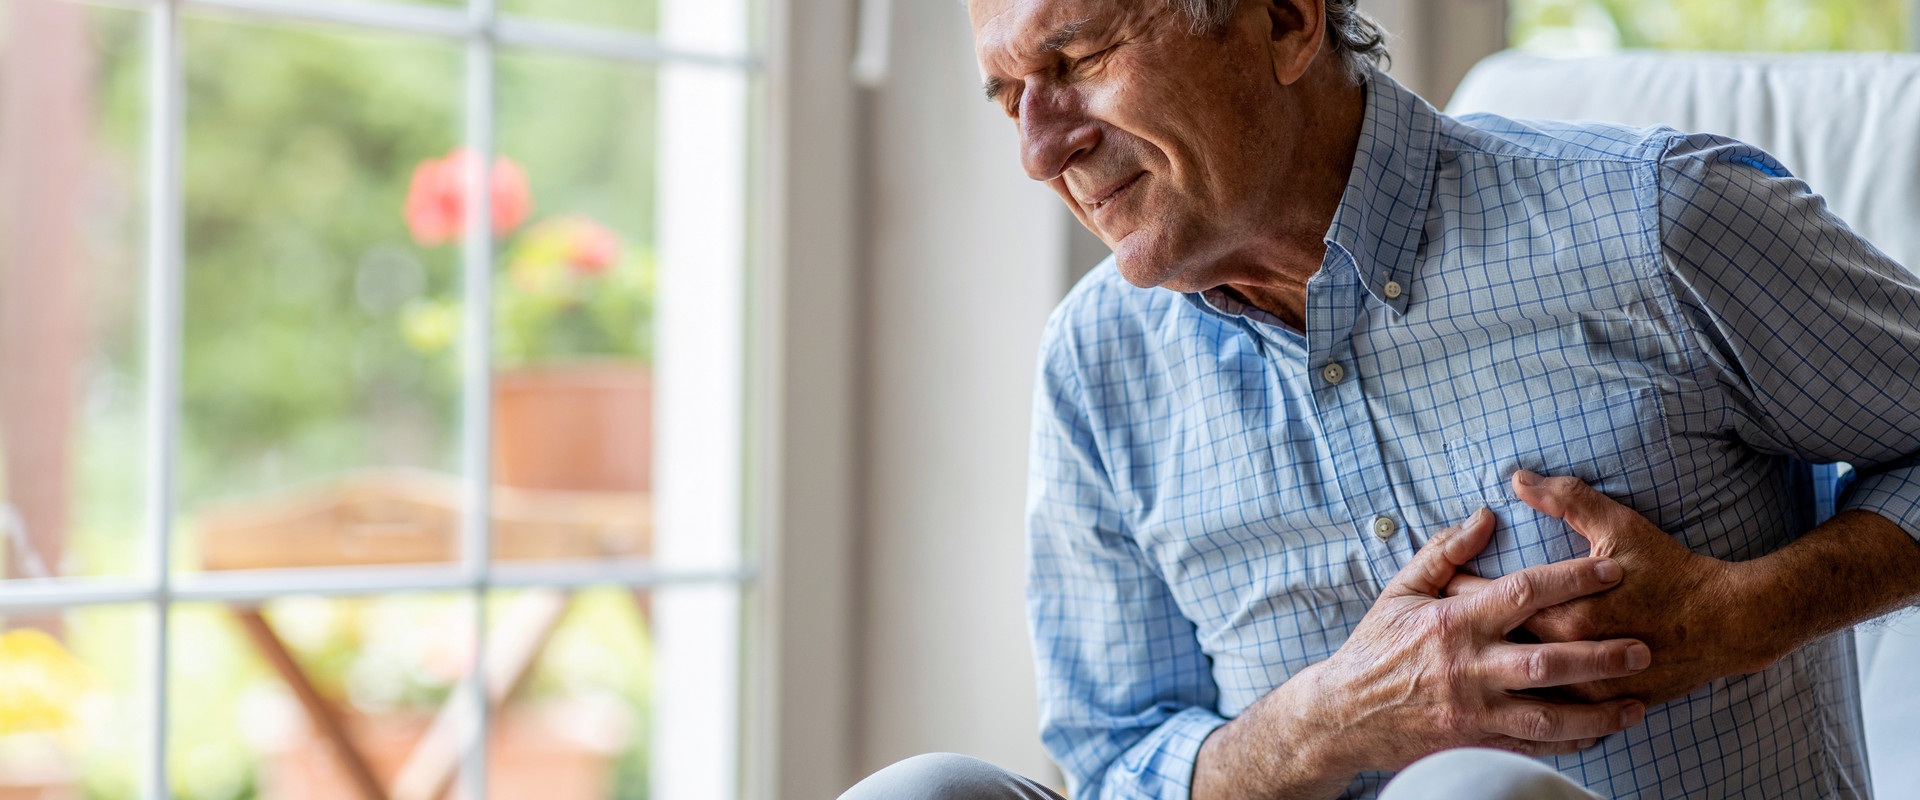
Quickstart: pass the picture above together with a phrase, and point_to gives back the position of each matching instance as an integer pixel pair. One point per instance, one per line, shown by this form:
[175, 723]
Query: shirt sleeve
[1814, 333]
[1126, 695]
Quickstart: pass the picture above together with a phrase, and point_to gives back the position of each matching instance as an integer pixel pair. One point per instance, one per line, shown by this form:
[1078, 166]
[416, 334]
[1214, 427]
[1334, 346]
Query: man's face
[1164, 142]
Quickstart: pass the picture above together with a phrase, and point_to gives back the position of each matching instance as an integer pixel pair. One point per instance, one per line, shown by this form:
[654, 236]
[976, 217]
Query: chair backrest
[1849, 125]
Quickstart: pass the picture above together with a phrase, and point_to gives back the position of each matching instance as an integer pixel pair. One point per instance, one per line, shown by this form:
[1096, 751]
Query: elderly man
[1388, 433]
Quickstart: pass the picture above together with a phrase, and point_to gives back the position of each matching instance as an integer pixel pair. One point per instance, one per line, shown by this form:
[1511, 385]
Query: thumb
[1431, 568]
[1591, 514]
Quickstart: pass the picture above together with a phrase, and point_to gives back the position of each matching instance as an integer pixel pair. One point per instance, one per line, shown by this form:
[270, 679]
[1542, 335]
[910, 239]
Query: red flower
[594, 247]
[436, 199]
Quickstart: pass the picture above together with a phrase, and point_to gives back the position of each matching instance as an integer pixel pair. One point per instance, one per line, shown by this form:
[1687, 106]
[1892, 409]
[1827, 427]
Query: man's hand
[1422, 673]
[1684, 605]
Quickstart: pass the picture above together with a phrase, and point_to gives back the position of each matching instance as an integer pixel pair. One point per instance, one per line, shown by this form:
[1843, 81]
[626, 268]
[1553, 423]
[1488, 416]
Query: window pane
[72, 221]
[294, 699]
[639, 15]
[577, 724]
[573, 314]
[1588, 25]
[323, 209]
[75, 701]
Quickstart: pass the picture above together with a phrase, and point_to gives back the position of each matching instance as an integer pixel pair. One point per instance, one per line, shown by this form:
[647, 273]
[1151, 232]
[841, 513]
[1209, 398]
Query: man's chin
[1145, 262]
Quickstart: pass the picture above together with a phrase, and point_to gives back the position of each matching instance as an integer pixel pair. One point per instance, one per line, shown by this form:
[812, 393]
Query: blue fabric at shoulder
[1711, 148]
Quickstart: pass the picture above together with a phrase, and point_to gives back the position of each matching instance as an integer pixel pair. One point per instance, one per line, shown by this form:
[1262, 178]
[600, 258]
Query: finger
[1464, 584]
[1540, 721]
[1561, 623]
[1590, 513]
[1513, 598]
[1535, 666]
[1567, 622]
[1427, 574]
[1539, 749]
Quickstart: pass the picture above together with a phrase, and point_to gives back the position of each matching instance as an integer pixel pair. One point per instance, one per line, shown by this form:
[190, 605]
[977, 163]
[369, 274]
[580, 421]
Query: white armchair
[1849, 125]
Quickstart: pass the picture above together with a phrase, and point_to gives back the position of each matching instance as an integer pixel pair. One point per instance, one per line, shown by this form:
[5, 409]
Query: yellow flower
[429, 326]
[41, 684]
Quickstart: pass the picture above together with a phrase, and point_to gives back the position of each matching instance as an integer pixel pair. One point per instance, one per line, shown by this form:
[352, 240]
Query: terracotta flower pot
[553, 751]
[578, 427]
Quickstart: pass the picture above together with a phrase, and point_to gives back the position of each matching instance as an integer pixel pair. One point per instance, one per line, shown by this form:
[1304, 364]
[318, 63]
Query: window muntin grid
[709, 61]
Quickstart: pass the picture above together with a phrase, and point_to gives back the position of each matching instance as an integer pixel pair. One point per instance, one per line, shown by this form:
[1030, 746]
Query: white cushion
[1847, 124]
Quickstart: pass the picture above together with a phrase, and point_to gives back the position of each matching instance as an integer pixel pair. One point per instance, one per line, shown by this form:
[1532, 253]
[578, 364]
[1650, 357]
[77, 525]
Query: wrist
[1281, 746]
[1759, 630]
[1313, 722]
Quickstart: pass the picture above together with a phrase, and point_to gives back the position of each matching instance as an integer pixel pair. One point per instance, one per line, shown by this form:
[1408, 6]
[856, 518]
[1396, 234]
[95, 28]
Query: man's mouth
[1107, 196]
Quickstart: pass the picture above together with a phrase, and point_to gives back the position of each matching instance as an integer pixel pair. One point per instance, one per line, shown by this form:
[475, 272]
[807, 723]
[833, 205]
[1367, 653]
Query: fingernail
[1527, 478]
[1588, 743]
[1608, 570]
[1638, 656]
[1478, 517]
[1632, 715]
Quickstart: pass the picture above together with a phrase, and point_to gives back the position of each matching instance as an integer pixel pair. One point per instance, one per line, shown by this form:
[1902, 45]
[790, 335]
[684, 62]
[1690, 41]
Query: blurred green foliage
[300, 147]
[1754, 25]
[300, 143]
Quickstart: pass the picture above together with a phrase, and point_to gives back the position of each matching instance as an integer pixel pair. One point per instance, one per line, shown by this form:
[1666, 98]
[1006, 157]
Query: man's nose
[1053, 131]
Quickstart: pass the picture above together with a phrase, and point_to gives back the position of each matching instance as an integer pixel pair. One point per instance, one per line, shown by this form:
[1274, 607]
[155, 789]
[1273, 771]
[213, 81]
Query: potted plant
[390, 665]
[572, 387]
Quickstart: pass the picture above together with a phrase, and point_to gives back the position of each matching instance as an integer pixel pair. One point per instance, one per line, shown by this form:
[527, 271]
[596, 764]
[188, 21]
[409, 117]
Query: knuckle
[1536, 667]
[1520, 592]
[1608, 660]
[1536, 724]
[1566, 484]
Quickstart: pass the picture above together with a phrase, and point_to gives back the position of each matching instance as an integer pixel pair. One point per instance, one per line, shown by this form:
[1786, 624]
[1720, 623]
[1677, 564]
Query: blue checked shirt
[1217, 499]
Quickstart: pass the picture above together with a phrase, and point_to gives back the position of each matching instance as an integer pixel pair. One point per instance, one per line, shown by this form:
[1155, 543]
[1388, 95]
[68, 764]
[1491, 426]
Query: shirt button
[1391, 290]
[1333, 373]
[1384, 526]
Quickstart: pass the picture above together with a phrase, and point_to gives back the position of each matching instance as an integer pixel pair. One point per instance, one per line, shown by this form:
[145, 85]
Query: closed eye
[1079, 67]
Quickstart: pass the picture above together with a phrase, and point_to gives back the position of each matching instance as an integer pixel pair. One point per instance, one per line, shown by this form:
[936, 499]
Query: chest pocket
[1619, 444]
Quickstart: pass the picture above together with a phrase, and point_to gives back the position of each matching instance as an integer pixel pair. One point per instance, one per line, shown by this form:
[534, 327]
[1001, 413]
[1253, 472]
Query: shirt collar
[1384, 208]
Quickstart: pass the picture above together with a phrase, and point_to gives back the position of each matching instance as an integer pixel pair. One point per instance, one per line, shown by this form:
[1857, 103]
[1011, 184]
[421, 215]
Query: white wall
[967, 257]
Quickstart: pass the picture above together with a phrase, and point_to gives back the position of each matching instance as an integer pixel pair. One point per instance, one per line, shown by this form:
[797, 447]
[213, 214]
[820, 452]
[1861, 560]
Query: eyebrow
[1054, 43]
[1064, 36]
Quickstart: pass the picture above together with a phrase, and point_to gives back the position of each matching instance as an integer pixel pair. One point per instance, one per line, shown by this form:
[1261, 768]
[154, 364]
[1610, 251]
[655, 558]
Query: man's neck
[1275, 279]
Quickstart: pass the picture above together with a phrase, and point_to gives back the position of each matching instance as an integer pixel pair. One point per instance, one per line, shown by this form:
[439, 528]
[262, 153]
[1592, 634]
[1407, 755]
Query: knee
[933, 776]
[1479, 772]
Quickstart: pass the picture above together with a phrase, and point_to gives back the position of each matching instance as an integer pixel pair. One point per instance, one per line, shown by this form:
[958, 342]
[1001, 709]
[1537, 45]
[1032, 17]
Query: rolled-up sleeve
[1126, 695]
[1812, 331]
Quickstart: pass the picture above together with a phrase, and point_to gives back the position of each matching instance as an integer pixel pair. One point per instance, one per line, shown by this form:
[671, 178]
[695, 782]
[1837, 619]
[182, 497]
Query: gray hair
[1355, 37]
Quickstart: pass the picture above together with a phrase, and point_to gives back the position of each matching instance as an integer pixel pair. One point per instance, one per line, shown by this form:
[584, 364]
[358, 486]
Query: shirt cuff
[1161, 766]
[1894, 494]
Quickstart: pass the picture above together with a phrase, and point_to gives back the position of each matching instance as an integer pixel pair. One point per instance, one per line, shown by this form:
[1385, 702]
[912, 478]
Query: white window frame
[706, 63]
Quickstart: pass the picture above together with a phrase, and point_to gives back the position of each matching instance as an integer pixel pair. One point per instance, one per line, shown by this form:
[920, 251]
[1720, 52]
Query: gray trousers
[1464, 774]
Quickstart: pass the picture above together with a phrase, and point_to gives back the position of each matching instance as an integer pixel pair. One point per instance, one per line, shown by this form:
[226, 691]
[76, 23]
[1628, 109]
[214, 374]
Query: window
[353, 349]
[1589, 25]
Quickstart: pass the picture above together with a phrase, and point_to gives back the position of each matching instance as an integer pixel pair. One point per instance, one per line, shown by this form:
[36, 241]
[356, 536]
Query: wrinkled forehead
[1004, 29]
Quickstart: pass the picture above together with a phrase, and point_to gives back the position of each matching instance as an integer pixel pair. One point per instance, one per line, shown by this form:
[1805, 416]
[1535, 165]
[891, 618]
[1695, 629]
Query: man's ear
[1296, 29]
